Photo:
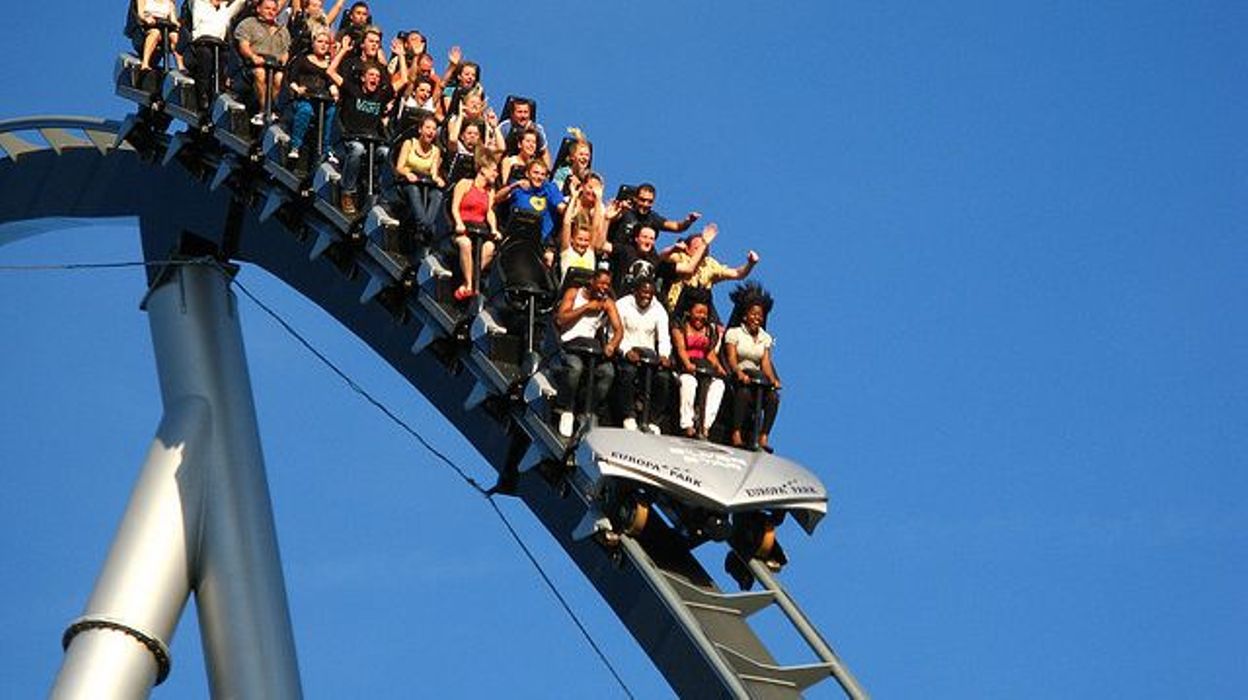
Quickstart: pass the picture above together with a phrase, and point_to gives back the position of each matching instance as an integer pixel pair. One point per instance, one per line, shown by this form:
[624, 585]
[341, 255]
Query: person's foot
[736, 440]
[294, 153]
[654, 429]
[630, 424]
[689, 432]
[764, 445]
[463, 293]
[257, 119]
[566, 422]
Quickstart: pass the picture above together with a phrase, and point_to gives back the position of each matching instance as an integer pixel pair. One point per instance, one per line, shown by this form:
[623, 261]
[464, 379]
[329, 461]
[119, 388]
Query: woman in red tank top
[695, 341]
[472, 211]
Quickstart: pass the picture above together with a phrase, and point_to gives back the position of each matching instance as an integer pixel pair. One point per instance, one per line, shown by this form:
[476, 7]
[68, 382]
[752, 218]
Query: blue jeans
[425, 200]
[304, 113]
[353, 155]
[573, 374]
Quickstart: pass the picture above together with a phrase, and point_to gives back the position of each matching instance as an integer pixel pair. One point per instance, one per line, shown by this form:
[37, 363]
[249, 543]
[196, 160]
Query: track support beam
[200, 520]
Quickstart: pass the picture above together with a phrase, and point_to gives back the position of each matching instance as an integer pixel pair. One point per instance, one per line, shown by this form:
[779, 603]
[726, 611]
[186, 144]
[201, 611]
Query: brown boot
[348, 204]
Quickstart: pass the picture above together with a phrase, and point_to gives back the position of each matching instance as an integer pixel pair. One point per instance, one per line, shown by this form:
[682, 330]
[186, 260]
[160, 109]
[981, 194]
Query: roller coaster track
[207, 190]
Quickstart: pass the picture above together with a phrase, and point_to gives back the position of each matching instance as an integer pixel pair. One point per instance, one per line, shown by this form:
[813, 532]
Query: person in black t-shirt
[360, 109]
[639, 211]
[308, 81]
[369, 53]
[637, 260]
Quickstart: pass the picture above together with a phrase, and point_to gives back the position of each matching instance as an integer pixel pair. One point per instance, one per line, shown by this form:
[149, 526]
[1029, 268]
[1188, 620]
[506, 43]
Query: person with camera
[635, 208]
[647, 341]
[583, 314]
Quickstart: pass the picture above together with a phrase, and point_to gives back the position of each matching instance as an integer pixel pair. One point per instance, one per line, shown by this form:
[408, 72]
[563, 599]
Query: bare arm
[453, 126]
[461, 188]
[453, 58]
[332, 13]
[400, 165]
[504, 193]
[244, 50]
[713, 357]
[682, 355]
[565, 229]
[493, 222]
[769, 370]
[508, 163]
[567, 315]
[436, 170]
[617, 328]
[683, 224]
[740, 273]
[709, 233]
[332, 70]
[730, 351]
[599, 238]
[398, 78]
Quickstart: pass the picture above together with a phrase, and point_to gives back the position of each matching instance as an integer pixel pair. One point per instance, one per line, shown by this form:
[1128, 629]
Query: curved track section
[204, 191]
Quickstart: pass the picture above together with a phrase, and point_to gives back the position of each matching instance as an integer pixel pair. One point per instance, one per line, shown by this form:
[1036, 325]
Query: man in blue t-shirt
[534, 193]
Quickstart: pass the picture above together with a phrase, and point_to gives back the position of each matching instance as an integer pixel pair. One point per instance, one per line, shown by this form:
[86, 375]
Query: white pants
[689, 390]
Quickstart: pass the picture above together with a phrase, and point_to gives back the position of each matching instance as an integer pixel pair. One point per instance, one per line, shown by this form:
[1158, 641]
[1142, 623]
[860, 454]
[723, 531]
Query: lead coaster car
[706, 490]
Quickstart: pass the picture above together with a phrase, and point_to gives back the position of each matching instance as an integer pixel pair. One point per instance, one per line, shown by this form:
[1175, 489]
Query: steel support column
[119, 647]
[200, 519]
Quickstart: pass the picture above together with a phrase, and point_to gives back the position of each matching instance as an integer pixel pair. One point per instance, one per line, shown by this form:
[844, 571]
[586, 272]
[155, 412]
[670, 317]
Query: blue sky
[1007, 246]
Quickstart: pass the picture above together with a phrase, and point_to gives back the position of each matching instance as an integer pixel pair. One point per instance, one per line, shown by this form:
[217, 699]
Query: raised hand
[709, 233]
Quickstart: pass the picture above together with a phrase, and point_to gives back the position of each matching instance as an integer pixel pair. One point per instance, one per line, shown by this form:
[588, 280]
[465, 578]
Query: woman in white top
[747, 347]
[151, 13]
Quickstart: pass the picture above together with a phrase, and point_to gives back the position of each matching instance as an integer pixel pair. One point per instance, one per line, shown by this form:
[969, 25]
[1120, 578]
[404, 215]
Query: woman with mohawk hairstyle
[747, 348]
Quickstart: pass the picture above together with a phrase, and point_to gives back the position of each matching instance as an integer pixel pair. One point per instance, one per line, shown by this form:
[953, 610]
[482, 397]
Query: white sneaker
[565, 423]
[654, 429]
[630, 423]
[257, 119]
[294, 154]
